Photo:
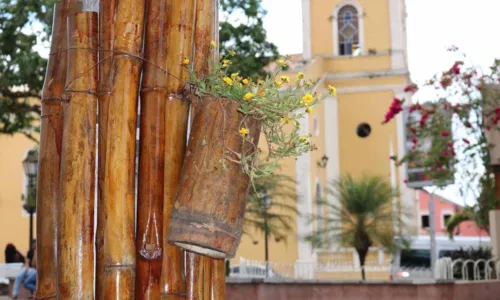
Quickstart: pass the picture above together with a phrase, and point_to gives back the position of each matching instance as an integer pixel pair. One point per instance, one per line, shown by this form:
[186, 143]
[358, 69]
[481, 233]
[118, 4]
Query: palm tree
[363, 217]
[281, 211]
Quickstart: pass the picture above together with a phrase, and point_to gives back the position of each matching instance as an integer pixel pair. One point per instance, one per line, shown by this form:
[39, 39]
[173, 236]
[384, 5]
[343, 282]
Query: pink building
[443, 210]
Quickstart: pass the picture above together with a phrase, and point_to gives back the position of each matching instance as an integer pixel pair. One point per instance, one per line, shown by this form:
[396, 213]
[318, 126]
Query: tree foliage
[465, 97]
[241, 28]
[23, 24]
[280, 214]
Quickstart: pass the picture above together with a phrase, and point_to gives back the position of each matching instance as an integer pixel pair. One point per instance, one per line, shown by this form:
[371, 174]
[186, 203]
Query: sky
[432, 27]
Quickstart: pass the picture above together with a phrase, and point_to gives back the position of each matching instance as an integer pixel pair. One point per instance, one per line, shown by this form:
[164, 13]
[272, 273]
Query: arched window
[348, 30]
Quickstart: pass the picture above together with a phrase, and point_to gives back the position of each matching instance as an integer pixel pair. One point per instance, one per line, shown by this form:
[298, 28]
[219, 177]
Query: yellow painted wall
[353, 64]
[370, 154]
[376, 25]
[14, 227]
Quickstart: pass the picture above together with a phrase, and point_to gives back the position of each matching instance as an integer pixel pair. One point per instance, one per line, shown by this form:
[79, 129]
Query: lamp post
[30, 165]
[266, 198]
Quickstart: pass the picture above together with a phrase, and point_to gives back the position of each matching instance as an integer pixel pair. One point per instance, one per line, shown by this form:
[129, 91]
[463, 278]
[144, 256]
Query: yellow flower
[281, 62]
[286, 120]
[245, 81]
[232, 52]
[234, 76]
[228, 81]
[300, 76]
[307, 99]
[278, 83]
[248, 96]
[185, 61]
[332, 90]
[309, 110]
[303, 138]
[243, 131]
[226, 63]
[285, 79]
[213, 44]
[261, 92]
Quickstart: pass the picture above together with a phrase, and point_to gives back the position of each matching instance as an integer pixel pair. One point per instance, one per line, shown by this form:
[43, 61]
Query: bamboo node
[150, 251]
[52, 296]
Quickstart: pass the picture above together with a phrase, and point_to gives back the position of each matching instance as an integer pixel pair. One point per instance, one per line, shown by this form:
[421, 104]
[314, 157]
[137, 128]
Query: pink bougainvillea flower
[395, 108]
[456, 67]
[468, 124]
[466, 141]
[412, 88]
[445, 133]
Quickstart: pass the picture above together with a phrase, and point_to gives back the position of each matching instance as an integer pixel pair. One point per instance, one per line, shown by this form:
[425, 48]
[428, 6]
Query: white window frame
[445, 212]
[423, 213]
[361, 25]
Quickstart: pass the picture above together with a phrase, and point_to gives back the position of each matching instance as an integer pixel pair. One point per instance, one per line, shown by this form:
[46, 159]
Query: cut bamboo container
[154, 97]
[211, 196]
[76, 216]
[107, 12]
[118, 245]
[206, 31]
[50, 157]
[180, 18]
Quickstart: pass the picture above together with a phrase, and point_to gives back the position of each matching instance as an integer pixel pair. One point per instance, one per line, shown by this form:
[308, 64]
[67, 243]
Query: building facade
[359, 47]
[444, 209]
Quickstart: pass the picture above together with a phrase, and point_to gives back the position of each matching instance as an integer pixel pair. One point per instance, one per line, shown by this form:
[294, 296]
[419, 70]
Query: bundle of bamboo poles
[93, 97]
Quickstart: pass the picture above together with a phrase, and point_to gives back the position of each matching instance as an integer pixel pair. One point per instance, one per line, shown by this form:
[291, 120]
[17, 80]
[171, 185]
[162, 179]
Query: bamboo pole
[118, 244]
[194, 276]
[107, 11]
[179, 40]
[206, 30]
[50, 157]
[218, 280]
[154, 96]
[76, 217]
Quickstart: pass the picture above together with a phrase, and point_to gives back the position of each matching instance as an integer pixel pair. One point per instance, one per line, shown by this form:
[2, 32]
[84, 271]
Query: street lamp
[323, 162]
[30, 165]
[266, 198]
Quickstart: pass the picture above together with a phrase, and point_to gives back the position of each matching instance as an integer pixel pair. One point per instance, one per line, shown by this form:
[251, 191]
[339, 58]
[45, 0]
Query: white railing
[461, 269]
[458, 269]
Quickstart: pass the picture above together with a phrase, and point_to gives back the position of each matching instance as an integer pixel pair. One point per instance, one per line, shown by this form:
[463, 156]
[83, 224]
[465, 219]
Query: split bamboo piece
[154, 96]
[76, 217]
[50, 156]
[180, 21]
[107, 11]
[118, 243]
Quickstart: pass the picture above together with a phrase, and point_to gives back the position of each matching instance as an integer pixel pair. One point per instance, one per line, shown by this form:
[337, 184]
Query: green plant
[280, 213]
[275, 101]
[457, 122]
[362, 218]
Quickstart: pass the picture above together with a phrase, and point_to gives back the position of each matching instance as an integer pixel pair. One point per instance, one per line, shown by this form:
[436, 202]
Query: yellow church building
[358, 46]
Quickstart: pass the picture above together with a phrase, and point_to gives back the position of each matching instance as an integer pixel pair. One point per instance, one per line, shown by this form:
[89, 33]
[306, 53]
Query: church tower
[359, 47]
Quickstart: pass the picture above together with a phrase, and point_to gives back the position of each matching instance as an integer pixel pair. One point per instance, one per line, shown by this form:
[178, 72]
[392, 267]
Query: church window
[348, 30]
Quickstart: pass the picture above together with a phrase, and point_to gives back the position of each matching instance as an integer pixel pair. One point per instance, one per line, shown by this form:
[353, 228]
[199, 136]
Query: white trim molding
[407, 195]
[398, 34]
[361, 24]
[374, 74]
[306, 29]
[396, 88]
[304, 197]
[331, 137]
